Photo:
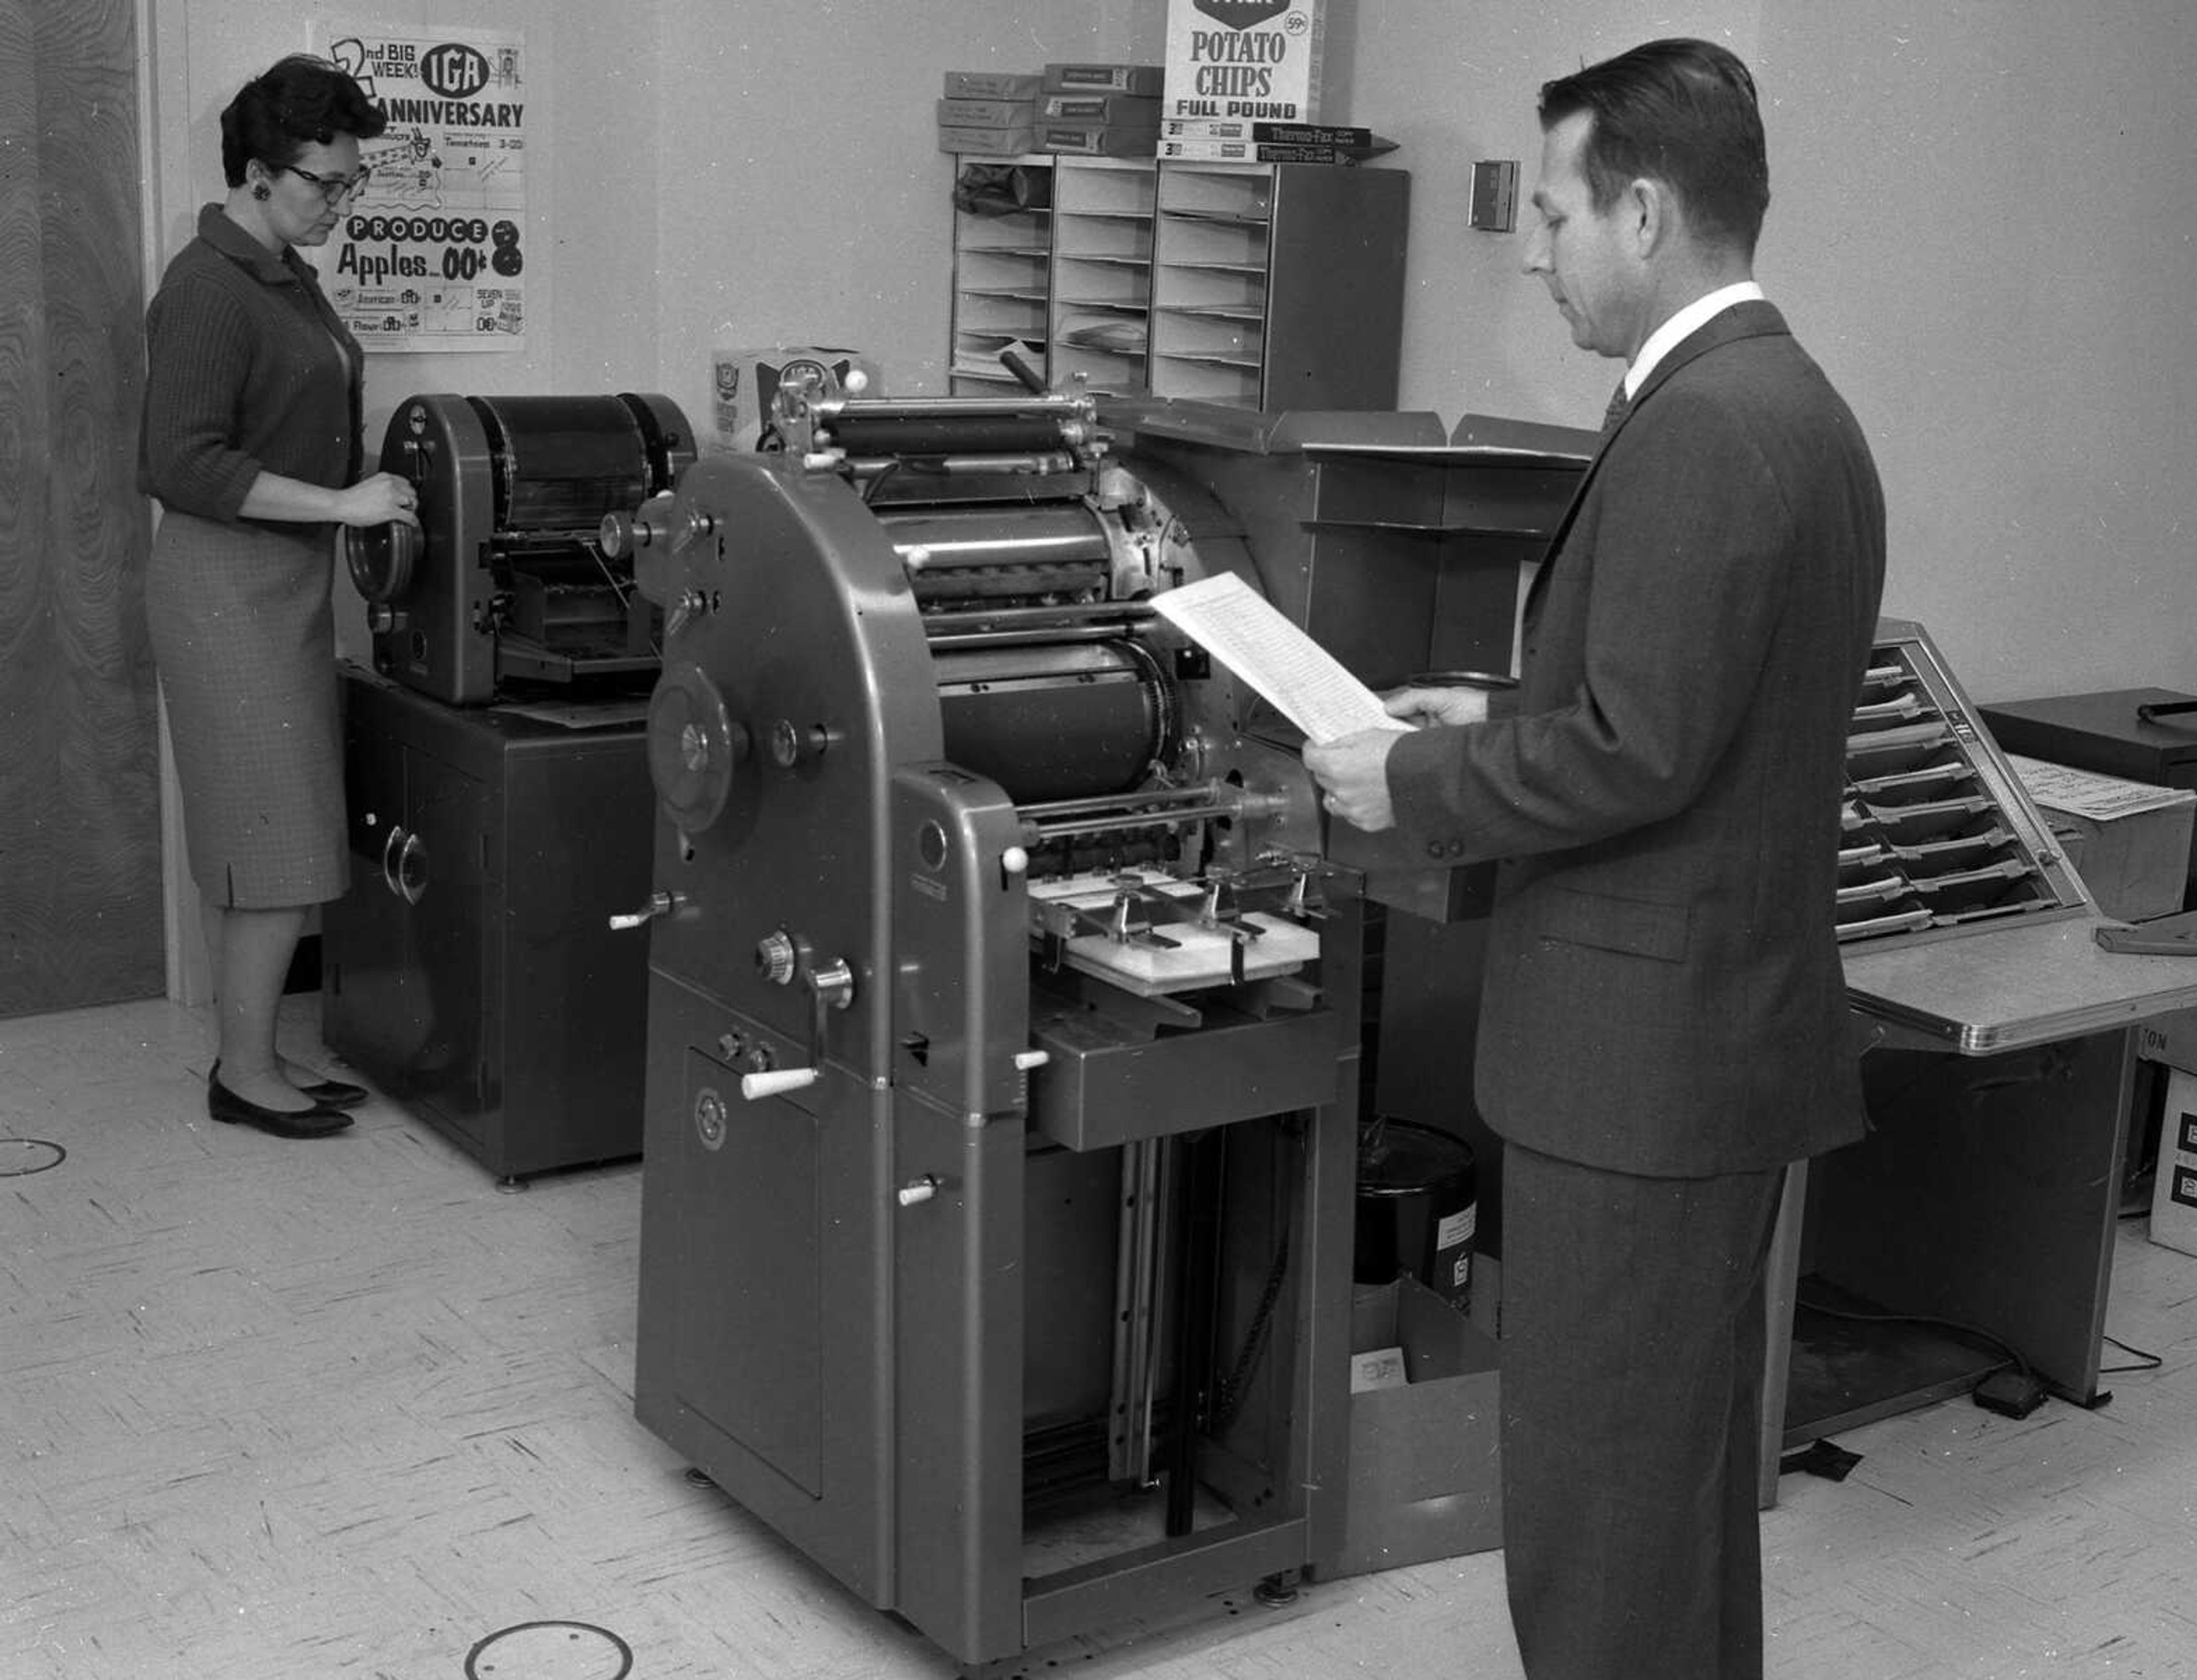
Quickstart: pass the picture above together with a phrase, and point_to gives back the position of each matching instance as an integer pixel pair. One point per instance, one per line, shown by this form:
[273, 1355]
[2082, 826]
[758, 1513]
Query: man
[1664, 1025]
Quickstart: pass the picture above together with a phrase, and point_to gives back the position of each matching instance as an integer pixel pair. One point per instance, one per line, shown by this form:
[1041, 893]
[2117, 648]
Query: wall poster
[431, 251]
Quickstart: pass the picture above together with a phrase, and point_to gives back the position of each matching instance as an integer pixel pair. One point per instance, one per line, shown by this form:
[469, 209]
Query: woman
[252, 415]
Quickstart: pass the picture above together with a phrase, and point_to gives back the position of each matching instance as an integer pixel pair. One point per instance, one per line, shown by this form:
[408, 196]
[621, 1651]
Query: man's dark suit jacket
[1664, 994]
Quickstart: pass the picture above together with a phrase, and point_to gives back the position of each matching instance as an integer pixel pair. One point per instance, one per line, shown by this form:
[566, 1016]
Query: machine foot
[696, 1478]
[510, 1185]
[1277, 1590]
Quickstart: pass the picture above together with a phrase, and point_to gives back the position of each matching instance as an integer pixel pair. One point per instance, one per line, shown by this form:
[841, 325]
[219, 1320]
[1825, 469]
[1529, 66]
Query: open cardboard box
[2174, 1191]
[1423, 1469]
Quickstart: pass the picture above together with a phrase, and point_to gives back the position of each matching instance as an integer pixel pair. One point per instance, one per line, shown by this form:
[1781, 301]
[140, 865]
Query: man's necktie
[1615, 411]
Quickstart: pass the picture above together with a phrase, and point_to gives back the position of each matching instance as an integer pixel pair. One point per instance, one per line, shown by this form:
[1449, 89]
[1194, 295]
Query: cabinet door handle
[396, 837]
[412, 870]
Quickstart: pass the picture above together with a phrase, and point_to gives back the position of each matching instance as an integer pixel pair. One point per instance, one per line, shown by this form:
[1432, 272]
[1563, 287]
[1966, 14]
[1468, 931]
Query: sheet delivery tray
[1110, 1078]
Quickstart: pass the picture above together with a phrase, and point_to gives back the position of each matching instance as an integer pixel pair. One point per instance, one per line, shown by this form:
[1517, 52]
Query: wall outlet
[1495, 195]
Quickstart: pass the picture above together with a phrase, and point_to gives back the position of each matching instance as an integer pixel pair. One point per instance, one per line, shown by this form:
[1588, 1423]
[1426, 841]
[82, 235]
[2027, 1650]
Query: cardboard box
[987, 113]
[2169, 1039]
[2128, 841]
[989, 142]
[745, 384]
[1113, 110]
[992, 85]
[1141, 78]
[1096, 140]
[1265, 134]
[1424, 1475]
[2174, 1193]
[1248, 152]
[1261, 60]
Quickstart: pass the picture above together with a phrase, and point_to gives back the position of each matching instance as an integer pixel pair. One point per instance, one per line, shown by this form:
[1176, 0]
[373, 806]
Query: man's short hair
[1680, 112]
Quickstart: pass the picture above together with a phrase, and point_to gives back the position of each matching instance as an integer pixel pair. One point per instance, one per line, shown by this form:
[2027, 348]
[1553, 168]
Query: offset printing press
[1005, 1005]
[496, 779]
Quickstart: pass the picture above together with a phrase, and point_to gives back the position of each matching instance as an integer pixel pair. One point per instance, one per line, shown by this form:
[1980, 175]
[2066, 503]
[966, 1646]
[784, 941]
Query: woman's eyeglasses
[335, 188]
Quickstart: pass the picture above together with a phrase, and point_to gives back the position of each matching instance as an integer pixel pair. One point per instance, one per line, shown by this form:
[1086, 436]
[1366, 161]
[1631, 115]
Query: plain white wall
[1987, 231]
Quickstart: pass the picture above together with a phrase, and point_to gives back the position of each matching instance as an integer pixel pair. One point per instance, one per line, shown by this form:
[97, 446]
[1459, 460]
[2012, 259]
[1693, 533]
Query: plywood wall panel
[79, 834]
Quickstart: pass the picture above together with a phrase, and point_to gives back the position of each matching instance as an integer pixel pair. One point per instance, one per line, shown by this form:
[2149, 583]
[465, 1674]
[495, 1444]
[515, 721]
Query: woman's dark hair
[1684, 112]
[302, 101]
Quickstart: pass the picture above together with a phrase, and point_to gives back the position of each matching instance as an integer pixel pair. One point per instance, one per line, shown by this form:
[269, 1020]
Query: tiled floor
[278, 1411]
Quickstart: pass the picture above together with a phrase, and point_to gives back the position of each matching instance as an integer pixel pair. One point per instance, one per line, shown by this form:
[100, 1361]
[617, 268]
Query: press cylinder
[925, 435]
[992, 552]
[563, 462]
[1056, 721]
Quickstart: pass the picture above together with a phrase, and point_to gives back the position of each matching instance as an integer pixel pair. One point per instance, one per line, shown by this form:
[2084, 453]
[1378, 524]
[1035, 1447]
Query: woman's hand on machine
[380, 499]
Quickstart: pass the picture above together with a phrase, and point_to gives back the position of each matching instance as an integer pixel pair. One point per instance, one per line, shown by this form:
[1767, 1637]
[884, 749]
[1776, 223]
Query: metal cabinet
[470, 971]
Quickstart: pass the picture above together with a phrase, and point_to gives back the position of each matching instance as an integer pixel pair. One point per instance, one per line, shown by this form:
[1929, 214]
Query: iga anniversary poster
[431, 251]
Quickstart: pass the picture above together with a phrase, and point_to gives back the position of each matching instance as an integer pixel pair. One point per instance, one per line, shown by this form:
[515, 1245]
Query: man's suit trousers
[1633, 1340]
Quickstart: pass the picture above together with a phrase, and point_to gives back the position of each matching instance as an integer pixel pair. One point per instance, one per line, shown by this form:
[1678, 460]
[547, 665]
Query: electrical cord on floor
[2150, 1361]
[2011, 1389]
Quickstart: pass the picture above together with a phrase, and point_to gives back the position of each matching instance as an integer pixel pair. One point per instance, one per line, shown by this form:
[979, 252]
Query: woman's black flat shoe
[335, 1093]
[328, 1093]
[231, 1109]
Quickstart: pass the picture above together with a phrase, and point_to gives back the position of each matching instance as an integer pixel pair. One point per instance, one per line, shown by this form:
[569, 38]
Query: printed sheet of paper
[1245, 632]
[2086, 794]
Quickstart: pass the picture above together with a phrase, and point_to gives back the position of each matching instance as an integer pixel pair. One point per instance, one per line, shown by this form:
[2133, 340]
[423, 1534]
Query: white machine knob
[917, 1191]
[755, 1086]
[1015, 860]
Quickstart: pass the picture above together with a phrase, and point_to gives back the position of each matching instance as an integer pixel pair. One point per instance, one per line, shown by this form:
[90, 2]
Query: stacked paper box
[989, 113]
[1099, 110]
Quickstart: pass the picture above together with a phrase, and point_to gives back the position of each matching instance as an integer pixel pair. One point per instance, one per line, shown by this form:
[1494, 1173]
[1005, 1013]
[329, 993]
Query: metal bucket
[1418, 1208]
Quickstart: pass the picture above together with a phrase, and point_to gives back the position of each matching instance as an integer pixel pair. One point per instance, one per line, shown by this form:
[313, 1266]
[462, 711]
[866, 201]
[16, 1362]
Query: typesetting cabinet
[471, 971]
[1268, 286]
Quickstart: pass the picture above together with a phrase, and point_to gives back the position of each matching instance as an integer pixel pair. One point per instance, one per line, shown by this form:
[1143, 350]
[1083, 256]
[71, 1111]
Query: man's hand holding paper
[1348, 730]
[1353, 772]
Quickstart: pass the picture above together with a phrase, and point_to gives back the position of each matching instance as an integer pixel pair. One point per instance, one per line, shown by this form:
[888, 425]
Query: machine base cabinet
[471, 971]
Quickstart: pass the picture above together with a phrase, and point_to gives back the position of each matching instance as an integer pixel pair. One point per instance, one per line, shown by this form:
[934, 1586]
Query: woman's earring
[259, 191]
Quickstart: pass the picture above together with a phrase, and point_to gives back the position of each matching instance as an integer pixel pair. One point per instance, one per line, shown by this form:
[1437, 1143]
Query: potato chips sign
[1254, 58]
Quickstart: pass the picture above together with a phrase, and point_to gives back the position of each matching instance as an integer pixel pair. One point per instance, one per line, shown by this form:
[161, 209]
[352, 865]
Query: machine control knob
[1027, 1059]
[917, 1191]
[1015, 860]
[775, 957]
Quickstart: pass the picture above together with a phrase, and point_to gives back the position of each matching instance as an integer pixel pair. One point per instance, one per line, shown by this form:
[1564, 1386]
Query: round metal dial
[695, 746]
